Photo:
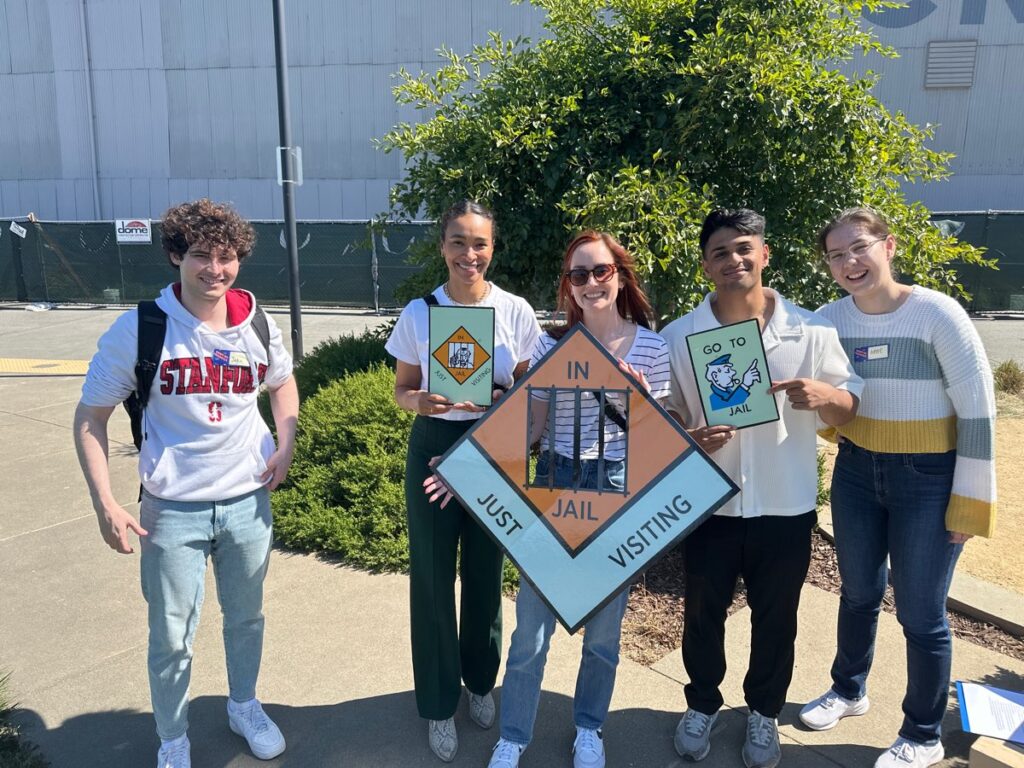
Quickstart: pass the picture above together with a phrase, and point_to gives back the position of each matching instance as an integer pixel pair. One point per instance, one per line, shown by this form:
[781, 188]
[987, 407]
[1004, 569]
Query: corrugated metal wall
[184, 99]
[983, 125]
[185, 102]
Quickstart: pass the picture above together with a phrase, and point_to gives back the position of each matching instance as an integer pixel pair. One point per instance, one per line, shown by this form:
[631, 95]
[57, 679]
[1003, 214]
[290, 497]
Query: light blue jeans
[535, 623]
[237, 534]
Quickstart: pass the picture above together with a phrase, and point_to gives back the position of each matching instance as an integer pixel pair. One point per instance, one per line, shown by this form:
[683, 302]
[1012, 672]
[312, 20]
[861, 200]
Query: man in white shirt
[207, 464]
[763, 534]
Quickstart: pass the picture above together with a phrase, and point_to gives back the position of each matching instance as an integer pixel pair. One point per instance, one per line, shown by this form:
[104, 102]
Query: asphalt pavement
[336, 669]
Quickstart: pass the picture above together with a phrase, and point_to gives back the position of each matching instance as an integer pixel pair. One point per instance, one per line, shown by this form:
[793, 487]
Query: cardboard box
[987, 752]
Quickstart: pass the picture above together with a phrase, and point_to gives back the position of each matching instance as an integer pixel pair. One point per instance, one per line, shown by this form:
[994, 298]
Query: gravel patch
[653, 625]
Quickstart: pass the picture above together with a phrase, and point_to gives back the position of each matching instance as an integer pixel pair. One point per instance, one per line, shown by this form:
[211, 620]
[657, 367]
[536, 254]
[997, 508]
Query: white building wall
[184, 99]
[983, 125]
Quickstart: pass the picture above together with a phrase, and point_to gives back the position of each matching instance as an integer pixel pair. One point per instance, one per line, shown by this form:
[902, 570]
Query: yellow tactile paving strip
[30, 367]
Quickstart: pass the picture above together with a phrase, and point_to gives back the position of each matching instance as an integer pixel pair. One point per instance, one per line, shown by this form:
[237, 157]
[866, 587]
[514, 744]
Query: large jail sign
[461, 353]
[579, 546]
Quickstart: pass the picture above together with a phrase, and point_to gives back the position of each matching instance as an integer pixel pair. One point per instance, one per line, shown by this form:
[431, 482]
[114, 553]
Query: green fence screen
[348, 264]
[340, 263]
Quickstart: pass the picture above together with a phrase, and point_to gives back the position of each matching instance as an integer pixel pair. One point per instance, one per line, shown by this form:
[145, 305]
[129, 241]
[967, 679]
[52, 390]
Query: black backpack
[152, 326]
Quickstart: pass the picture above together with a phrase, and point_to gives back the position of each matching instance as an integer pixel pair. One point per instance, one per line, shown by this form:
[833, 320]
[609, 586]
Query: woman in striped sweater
[913, 481]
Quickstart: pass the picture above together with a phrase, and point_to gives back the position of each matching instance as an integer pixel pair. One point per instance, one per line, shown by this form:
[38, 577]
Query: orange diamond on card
[461, 355]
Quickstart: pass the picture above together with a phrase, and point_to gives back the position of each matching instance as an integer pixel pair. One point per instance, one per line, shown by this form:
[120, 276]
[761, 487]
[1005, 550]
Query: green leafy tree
[640, 116]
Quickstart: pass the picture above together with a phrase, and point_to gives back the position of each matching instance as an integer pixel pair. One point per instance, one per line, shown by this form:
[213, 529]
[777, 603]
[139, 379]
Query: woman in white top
[444, 653]
[598, 288]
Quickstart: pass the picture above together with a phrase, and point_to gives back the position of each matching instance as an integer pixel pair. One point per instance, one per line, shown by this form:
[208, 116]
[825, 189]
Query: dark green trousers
[445, 651]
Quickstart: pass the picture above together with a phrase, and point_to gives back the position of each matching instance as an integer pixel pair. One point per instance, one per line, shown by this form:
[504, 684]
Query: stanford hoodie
[204, 437]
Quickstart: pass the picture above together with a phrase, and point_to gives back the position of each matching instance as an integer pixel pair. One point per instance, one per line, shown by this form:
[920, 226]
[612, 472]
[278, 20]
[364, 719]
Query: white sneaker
[175, 753]
[693, 735]
[250, 722]
[827, 710]
[505, 754]
[481, 709]
[443, 739]
[909, 754]
[588, 749]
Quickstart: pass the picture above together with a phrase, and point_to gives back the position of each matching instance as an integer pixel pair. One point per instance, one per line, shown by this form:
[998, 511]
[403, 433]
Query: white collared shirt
[774, 464]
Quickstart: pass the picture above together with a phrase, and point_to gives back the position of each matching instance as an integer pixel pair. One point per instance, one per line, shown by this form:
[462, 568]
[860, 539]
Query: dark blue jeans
[894, 504]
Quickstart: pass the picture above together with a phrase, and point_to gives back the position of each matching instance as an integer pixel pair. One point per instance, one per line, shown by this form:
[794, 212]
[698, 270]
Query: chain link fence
[350, 264]
[340, 263]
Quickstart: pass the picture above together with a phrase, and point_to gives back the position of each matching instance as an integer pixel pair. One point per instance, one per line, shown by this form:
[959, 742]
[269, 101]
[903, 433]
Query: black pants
[446, 652]
[772, 554]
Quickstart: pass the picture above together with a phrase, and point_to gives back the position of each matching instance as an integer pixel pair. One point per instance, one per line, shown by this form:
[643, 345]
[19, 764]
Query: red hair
[631, 302]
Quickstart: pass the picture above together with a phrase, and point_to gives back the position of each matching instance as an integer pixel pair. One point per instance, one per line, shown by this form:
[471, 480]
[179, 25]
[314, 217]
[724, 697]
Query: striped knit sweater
[927, 389]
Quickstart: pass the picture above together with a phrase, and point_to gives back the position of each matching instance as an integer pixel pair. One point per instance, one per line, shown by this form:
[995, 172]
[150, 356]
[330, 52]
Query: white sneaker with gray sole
[827, 710]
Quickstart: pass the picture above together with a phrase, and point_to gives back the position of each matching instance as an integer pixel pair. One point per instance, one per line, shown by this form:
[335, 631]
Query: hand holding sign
[471, 407]
[710, 439]
[638, 375]
[805, 394]
[435, 487]
[428, 404]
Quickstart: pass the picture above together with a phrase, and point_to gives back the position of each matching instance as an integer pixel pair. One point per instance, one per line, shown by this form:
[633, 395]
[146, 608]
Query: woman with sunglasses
[444, 653]
[598, 288]
[914, 478]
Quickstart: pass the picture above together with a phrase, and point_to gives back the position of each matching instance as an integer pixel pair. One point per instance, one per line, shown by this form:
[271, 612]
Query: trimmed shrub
[1009, 377]
[15, 752]
[824, 495]
[344, 493]
[332, 359]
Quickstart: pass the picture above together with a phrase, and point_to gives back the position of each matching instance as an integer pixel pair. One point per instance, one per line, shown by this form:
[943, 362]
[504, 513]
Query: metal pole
[287, 176]
[87, 66]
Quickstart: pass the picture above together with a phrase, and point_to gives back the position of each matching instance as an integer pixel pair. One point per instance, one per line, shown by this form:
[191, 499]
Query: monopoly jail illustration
[461, 353]
[578, 546]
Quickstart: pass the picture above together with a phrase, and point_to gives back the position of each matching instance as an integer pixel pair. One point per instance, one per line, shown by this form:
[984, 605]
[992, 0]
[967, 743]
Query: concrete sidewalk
[336, 672]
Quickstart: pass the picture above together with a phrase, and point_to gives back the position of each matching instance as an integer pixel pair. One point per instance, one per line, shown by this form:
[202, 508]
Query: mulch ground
[653, 625]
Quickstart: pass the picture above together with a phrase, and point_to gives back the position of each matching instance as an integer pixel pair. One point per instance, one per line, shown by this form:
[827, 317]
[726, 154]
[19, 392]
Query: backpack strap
[262, 329]
[152, 325]
[611, 412]
[431, 300]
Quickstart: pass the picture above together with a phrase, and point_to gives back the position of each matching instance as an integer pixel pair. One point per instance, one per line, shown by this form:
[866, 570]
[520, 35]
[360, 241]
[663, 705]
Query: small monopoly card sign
[461, 365]
[19, 230]
[580, 547]
[731, 369]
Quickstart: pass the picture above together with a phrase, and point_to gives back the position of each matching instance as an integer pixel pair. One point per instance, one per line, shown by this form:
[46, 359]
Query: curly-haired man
[207, 463]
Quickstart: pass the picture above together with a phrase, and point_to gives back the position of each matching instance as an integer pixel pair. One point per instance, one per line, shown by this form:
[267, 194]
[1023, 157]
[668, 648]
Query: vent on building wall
[950, 64]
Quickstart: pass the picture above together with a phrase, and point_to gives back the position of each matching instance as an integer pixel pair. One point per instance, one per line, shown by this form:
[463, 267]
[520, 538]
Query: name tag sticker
[877, 352]
[221, 356]
[239, 358]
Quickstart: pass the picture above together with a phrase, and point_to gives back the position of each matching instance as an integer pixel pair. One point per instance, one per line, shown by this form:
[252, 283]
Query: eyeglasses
[858, 251]
[602, 273]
